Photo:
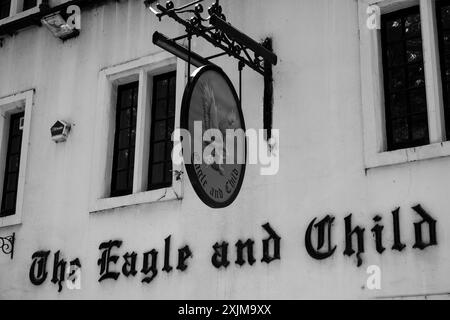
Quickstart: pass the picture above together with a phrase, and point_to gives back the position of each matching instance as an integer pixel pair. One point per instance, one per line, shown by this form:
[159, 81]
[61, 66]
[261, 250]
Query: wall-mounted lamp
[59, 27]
[60, 131]
[7, 244]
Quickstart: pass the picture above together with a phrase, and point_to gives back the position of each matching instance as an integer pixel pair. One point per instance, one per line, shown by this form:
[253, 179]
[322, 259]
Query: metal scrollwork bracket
[212, 26]
[7, 245]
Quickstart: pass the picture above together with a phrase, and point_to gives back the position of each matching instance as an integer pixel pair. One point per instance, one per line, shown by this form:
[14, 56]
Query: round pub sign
[215, 157]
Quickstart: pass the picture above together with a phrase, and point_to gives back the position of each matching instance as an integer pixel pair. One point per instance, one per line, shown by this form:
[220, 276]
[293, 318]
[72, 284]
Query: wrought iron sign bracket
[7, 244]
[222, 35]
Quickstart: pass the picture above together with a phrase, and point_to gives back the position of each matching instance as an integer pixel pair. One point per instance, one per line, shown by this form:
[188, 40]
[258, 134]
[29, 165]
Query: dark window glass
[163, 120]
[124, 141]
[5, 6]
[404, 79]
[28, 4]
[11, 177]
[443, 21]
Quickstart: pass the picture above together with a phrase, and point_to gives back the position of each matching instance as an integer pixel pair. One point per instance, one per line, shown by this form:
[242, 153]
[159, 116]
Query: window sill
[19, 15]
[161, 195]
[10, 221]
[431, 151]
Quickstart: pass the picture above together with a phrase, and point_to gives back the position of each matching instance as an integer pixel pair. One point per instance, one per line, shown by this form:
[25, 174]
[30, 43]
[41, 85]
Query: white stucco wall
[318, 110]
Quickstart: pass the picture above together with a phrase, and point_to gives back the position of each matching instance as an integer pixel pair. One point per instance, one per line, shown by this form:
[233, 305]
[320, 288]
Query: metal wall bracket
[222, 35]
[7, 245]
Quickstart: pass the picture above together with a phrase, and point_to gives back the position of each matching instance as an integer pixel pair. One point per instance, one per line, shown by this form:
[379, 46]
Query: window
[11, 177]
[28, 4]
[138, 107]
[11, 10]
[5, 7]
[403, 95]
[162, 125]
[124, 142]
[15, 119]
[443, 22]
[163, 120]
[404, 79]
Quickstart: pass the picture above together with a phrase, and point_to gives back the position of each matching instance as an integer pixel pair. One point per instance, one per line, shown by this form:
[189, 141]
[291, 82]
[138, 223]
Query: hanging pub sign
[215, 157]
[214, 164]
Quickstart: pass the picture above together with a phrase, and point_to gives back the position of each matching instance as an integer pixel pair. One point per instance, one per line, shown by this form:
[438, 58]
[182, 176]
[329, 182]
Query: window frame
[142, 70]
[16, 12]
[390, 144]
[119, 107]
[438, 5]
[20, 102]
[163, 184]
[372, 88]
[20, 115]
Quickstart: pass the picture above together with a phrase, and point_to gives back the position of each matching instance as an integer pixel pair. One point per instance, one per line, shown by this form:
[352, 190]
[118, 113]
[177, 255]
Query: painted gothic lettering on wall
[354, 235]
